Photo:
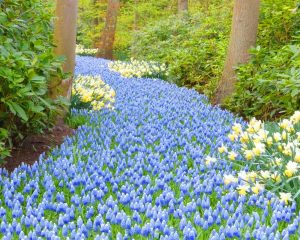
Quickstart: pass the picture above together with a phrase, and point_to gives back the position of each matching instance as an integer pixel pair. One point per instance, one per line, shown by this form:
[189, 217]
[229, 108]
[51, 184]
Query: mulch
[33, 146]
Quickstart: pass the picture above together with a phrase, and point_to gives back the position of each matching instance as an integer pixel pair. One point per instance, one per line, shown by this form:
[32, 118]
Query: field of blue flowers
[138, 171]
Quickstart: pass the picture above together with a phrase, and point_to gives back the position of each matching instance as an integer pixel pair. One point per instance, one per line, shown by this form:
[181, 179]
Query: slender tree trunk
[242, 38]
[183, 6]
[65, 41]
[107, 39]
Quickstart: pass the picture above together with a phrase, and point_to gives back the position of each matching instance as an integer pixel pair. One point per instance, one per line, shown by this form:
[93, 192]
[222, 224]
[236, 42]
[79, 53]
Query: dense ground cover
[140, 172]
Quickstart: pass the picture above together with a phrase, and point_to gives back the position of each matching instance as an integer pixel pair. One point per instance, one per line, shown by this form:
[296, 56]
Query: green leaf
[37, 79]
[37, 109]
[45, 102]
[18, 110]
[3, 133]
[3, 17]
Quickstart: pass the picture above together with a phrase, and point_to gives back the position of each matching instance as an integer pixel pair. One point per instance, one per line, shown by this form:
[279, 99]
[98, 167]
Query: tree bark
[105, 49]
[183, 6]
[242, 38]
[65, 42]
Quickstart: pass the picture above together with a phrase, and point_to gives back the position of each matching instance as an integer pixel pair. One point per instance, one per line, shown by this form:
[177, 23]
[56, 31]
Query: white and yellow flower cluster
[80, 50]
[92, 90]
[136, 68]
[272, 155]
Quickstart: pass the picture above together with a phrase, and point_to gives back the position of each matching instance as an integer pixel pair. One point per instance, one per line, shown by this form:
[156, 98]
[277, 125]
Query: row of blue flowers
[139, 172]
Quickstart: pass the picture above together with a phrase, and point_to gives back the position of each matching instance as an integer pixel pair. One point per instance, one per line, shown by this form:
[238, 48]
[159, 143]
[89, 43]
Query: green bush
[91, 18]
[193, 46]
[268, 87]
[93, 13]
[278, 23]
[26, 66]
[76, 120]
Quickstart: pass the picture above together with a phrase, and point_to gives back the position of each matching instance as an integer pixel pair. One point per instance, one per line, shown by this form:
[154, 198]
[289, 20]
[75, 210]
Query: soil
[33, 146]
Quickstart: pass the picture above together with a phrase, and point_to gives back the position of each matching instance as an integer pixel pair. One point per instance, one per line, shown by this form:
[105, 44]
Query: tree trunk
[182, 6]
[107, 39]
[242, 38]
[65, 41]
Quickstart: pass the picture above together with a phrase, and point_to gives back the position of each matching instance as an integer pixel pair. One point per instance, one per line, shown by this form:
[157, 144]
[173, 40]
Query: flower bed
[81, 51]
[270, 154]
[139, 172]
[90, 92]
[136, 68]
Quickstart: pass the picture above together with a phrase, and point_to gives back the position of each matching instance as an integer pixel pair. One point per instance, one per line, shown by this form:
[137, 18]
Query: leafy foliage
[279, 23]
[268, 86]
[75, 121]
[91, 17]
[193, 47]
[133, 15]
[26, 65]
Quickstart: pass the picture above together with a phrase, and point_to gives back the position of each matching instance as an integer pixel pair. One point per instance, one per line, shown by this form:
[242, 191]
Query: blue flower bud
[65, 231]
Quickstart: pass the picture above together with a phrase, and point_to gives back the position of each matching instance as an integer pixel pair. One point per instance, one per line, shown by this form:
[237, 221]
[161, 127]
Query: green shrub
[93, 13]
[26, 65]
[134, 16]
[76, 120]
[91, 18]
[278, 23]
[268, 86]
[193, 46]
[4, 151]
